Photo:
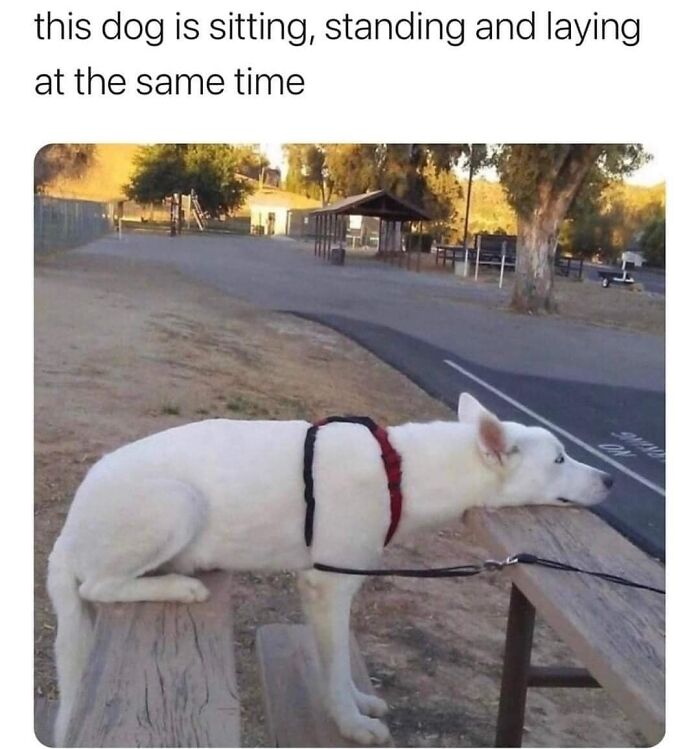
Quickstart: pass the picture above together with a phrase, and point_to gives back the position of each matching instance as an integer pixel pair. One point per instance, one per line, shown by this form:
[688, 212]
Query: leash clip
[491, 565]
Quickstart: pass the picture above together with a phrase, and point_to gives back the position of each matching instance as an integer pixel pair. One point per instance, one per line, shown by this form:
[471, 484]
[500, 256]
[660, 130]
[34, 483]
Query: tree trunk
[534, 264]
[468, 205]
[538, 229]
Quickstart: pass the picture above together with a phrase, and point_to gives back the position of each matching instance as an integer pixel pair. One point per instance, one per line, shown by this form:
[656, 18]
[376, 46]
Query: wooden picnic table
[617, 632]
[449, 252]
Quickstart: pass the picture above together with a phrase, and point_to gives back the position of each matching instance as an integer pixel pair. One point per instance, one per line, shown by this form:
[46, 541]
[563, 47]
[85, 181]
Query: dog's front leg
[327, 599]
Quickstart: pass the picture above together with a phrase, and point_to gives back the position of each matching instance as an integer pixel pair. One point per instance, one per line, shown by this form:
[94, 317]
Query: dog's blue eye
[559, 459]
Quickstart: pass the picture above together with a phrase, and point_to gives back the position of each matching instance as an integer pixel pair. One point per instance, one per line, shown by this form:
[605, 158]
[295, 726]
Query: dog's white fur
[229, 495]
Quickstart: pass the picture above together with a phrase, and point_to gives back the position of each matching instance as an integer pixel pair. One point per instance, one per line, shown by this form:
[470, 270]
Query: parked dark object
[489, 249]
[337, 256]
[419, 241]
[618, 277]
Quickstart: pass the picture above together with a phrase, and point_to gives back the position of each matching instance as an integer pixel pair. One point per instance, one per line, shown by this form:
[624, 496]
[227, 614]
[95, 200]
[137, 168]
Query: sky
[651, 174]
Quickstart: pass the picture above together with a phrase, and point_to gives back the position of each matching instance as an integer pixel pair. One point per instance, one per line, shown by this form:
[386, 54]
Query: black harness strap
[392, 466]
[309, 443]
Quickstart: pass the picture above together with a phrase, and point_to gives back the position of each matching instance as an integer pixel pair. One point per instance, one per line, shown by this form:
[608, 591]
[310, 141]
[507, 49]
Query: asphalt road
[601, 390]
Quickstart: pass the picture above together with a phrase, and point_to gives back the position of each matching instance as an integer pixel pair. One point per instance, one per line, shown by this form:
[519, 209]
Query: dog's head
[531, 462]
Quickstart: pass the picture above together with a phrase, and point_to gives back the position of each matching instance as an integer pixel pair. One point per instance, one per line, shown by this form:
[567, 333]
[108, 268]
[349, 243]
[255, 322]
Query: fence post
[478, 252]
[503, 264]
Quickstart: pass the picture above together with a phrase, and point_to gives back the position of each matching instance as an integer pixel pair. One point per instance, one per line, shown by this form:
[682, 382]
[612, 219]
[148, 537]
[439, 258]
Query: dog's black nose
[608, 480]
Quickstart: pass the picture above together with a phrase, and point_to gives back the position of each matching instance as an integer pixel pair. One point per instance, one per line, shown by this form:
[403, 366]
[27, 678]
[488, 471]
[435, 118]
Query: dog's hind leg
[327, 599]
[167, 515]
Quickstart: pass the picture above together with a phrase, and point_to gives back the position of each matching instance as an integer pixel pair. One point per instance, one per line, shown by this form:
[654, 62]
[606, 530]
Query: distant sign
[355, 222]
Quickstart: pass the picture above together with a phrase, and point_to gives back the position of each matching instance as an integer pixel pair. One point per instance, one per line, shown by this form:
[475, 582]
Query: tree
[477, 157]
[443, 194]
[307, 171]
[610, 220]
[653, 241]
[541, 183]
[61, 160]
[420, 173]
[221, 175]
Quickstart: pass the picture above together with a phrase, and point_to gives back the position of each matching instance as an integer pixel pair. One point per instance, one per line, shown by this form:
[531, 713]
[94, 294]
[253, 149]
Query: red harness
[392, 468]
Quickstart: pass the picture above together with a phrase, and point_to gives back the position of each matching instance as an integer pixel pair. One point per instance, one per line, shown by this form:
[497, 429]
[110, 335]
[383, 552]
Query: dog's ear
[469, 409]
[490, 435]
[491, 439]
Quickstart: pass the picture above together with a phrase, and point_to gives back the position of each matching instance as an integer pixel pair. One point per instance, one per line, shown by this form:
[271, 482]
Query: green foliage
[531, 173]
[442, 196]
[490, 212]
[61, 160]
[608, 223]
[420, 173]
[216, 172]
[306, 172]
[350, 168]
[653, 242]
[602, 216]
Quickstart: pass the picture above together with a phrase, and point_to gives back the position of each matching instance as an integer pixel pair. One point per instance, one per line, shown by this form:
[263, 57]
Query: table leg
[516, 665]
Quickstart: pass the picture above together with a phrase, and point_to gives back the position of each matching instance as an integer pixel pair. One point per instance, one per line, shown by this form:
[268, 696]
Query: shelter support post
[420, 245]
[321, 229]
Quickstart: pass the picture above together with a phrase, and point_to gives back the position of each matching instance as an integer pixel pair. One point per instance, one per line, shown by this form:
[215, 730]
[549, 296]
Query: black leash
[488, 565]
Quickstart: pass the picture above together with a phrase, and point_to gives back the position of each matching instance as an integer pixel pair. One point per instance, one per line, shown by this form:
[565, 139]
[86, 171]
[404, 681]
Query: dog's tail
[73, 638]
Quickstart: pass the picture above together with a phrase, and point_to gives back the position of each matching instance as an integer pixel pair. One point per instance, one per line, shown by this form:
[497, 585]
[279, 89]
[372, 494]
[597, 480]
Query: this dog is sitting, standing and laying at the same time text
[283, 495]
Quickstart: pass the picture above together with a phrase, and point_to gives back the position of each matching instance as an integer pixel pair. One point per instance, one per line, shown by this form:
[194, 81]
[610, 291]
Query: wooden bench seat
[44, 719]
[293, 690]
[161, 675]
[617, 632]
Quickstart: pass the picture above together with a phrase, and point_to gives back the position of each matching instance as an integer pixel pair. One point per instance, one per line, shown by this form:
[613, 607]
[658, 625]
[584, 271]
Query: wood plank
[292, 687]
[617, 632]
[161, 675]
[44, 718]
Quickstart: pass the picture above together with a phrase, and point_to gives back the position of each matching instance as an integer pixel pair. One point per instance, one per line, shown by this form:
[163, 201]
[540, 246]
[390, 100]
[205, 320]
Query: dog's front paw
[370, 705]
[363, 730]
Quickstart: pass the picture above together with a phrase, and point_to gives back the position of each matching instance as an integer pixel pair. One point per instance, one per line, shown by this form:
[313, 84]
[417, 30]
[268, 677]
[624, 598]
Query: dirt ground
[584, 300]
[123, 350]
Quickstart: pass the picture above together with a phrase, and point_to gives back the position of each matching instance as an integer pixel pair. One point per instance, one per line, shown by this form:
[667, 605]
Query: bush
[653, 242]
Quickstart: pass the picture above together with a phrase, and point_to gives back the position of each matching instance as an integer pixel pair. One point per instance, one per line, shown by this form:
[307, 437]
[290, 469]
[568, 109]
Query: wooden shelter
[330, 222]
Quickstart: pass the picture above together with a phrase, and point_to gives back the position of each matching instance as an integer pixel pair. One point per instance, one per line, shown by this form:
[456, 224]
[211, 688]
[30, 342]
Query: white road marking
[554, 428]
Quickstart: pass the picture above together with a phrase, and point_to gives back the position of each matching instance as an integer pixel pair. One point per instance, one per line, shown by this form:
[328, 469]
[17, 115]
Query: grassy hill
[105, 178]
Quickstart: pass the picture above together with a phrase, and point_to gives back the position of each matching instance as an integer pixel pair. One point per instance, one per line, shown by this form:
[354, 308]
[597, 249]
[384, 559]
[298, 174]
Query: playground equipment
[189, 205]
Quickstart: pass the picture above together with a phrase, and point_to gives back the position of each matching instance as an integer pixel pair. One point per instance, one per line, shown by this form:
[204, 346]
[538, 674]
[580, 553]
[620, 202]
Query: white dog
[224, 494]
